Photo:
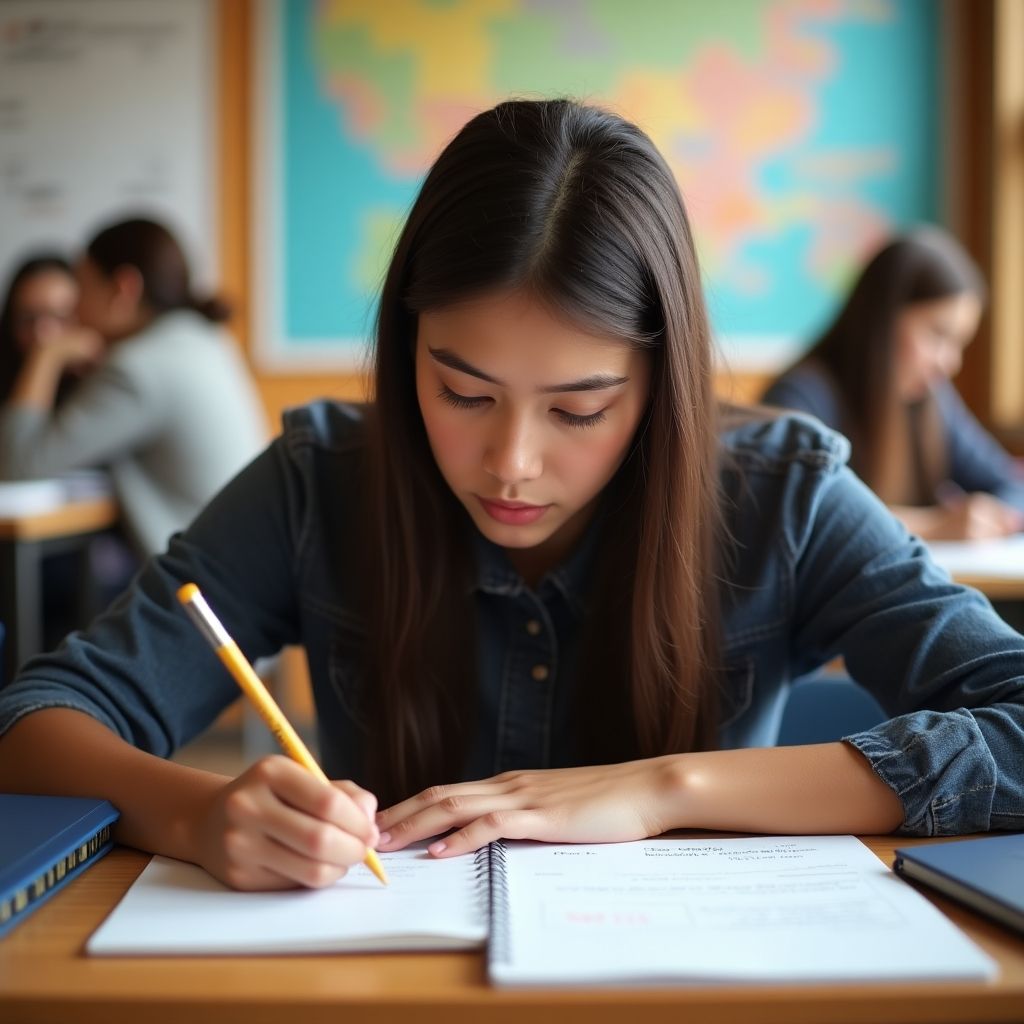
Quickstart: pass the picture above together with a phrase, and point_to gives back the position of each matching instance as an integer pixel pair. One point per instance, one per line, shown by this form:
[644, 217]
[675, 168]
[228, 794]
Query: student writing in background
[39, 311]
[546, 588]
[881, 374]
[170, 408]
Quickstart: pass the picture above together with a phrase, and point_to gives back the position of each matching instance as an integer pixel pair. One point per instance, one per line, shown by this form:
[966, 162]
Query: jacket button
[533, 627]
[539, 672]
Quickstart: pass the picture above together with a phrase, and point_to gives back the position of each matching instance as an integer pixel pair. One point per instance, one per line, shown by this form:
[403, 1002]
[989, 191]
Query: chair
[823, 709]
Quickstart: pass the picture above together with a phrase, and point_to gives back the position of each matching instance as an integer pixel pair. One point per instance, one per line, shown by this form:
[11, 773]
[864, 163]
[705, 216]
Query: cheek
[454, 446]
[590, 463]
[87, 313]
[913, 353]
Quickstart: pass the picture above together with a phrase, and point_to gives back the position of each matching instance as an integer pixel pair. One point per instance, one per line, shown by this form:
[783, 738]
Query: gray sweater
[171, 412]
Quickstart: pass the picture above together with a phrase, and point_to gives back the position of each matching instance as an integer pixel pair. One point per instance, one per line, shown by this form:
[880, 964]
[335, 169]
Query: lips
[512, 513]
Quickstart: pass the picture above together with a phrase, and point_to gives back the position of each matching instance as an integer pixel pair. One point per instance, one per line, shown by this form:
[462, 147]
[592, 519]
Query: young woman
[543, 590]
[39, 311]
[169, 407]
[881, 374]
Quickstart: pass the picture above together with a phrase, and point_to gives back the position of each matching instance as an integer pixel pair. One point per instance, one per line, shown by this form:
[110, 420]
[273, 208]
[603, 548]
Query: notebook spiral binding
[482, 874]
[490, 862]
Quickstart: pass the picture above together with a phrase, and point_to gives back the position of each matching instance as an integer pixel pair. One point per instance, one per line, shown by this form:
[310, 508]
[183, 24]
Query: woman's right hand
[279, 827]
[978, 516]
[77, 349]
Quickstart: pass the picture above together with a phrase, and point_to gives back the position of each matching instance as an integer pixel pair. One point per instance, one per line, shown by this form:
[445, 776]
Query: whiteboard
[107, 110]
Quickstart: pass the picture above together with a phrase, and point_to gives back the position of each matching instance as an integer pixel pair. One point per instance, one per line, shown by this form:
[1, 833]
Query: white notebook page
[177, 908]
[804, 908]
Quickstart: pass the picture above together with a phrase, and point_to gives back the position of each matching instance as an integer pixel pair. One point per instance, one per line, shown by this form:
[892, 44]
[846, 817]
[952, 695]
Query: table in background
[995, 567]
[24, 542]
[44, 976]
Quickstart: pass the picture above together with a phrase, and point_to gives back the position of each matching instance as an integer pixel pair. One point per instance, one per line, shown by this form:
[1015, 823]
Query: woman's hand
[278, 827]
[979, 516]
[602, 804]
[75, 350]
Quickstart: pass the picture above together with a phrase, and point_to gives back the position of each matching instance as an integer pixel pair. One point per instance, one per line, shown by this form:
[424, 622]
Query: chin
[512, 536]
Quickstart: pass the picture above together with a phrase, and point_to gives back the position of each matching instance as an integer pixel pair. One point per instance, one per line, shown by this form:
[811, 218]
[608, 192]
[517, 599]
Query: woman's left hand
[601, 804]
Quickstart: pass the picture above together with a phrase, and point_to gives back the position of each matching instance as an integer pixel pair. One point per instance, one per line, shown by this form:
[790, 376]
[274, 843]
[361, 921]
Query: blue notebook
[45, 841]
[986, 874]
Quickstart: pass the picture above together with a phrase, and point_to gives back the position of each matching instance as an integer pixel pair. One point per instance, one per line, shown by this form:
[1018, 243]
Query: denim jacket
[819, 568]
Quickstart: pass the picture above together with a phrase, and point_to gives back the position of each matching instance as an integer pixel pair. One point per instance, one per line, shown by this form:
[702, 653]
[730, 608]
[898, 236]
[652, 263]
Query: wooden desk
[24, 542]
[995, 588]
[45, 977]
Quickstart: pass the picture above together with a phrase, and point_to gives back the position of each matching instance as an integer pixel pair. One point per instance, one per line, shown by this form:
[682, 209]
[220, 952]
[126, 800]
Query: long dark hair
[151, 249]
[577, 206]
[858, 351]
[11, 356]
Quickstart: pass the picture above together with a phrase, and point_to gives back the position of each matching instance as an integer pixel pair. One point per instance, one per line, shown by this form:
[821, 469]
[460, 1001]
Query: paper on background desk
[177, 908]
[999, 559]
[37, 497]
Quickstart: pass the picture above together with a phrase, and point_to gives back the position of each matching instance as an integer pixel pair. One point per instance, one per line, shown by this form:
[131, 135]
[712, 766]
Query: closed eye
[461, 401]
[572, 419]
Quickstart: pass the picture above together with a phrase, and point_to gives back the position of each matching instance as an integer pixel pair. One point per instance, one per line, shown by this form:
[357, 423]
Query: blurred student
[38, 310]
[170, 408]
[882, 375]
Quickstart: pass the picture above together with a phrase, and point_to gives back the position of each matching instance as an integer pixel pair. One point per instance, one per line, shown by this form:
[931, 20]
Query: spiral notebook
[662, 910]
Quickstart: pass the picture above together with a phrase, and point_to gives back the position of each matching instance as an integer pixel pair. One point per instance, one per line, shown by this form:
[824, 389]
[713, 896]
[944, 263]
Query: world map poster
[801, 133]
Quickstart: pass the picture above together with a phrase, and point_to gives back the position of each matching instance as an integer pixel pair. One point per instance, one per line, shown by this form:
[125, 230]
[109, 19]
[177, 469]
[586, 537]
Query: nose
[513, 452]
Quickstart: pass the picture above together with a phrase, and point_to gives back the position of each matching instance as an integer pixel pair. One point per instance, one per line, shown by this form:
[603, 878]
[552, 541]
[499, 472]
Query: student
[881, 374]
[39, 310]
[170, 409]
[544, 592]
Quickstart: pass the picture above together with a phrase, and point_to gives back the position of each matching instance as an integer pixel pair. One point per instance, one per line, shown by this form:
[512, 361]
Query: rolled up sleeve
[934, 654]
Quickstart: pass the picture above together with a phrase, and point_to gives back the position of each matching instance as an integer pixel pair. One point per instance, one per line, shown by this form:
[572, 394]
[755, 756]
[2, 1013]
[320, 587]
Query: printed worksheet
[803, 908]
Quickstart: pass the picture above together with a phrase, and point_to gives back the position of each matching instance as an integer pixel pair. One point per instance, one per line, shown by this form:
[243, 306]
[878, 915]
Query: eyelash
[568, 418]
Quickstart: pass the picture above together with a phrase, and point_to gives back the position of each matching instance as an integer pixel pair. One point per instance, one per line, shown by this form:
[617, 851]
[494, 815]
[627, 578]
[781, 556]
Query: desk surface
[68, 520]
[44, 976]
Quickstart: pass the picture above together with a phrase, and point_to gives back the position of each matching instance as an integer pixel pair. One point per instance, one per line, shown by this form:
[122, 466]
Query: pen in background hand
[252, 686]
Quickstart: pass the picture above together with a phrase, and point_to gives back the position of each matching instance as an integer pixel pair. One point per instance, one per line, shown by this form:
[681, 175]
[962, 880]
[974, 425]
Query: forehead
[46, 288]
[515, 336]
[960, 312]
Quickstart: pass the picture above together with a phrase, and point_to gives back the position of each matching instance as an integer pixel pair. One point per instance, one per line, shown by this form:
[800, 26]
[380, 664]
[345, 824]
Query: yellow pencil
[252, 686]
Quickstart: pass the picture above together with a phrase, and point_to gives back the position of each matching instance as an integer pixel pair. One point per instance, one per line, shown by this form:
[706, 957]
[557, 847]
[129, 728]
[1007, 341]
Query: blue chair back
[823, 709]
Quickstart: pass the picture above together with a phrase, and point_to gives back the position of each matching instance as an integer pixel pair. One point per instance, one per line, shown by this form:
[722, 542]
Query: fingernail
[384, 839]
[437, 848]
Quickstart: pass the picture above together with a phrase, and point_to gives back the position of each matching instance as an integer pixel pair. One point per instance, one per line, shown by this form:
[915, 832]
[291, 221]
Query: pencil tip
[372, 861]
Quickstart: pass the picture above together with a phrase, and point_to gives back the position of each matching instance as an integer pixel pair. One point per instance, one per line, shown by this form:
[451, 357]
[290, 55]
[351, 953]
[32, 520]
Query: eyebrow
[596, 382]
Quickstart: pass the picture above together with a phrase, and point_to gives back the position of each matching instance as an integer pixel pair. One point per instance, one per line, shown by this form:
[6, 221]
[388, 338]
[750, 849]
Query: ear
[127, 287]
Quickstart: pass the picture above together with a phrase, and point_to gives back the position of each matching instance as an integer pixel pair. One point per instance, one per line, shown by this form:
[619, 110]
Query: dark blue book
[45, 841]
[986, 874]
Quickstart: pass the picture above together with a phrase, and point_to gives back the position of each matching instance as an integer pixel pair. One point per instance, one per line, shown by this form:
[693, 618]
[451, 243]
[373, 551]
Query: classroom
[512, 507]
